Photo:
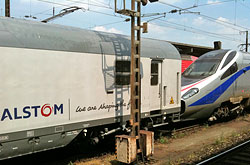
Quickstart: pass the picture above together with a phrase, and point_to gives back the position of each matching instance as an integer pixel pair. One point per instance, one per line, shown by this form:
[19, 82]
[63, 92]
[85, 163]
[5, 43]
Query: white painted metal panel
[70, 83]
[41, 88]
[172, 84]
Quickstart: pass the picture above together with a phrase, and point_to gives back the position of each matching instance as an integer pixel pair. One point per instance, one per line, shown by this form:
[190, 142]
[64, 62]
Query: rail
[239, 154]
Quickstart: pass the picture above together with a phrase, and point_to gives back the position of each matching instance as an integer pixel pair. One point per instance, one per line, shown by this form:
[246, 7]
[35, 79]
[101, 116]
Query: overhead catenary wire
[62, 13]
[204, 16]
[244, 5]
[90, 10]
[107, 24]
[110, 3]
[213, 3]
[180, 27]
[185, 27]
[47, 10]
[96, 1]
[86, 3]
[221, 22]
[200, 33]
[224, 23]
[235, 11]
[156, 18]
[62, 5]
[44, 11]
[195, 30]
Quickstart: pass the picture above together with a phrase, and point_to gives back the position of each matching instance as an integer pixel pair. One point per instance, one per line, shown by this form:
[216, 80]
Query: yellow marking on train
[171, 101]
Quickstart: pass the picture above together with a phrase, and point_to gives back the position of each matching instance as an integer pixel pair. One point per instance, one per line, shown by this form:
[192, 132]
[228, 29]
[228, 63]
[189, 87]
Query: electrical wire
[192, 28]
[200, 33]
[102, 6]
[214, 3]
[96, 1]
[174, 25]
[195, 30]
[235, 12]
[109, 3]
[244, 5]
[45, 11]
[224, 23]
[54, 3]
[90, 10]
[42, 12]
[112, 23]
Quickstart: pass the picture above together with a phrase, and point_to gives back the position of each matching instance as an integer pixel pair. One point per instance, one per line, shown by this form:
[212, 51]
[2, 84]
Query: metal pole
[115, 6]
[135, 82]
[132, 76]
[53, 11]
[7, 8]
[135, 93]
[246, 41]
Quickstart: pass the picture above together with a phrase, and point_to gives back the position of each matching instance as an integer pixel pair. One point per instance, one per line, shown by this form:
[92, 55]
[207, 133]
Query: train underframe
[156, 119]
[230, 109]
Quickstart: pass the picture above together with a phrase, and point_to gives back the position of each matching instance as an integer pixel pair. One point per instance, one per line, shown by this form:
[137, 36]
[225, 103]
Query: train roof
[20, 33]
[215, 54]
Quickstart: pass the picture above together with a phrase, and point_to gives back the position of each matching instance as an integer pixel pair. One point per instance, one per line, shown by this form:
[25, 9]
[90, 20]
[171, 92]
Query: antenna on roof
[7, 8]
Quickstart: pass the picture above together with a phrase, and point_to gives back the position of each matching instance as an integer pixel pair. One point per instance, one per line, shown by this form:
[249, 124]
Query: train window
[202, 68]
[229, 58]
[122, 70]
[154, 73]
[230, 71]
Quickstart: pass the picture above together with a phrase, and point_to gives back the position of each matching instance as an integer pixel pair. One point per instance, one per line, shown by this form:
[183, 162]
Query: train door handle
[159, 91]
[164, 95]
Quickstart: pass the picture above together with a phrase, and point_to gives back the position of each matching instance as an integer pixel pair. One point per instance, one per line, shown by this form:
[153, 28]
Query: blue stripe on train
[216, 93]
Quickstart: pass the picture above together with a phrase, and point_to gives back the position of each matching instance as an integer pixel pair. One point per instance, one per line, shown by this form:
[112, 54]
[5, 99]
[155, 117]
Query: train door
[155, 85]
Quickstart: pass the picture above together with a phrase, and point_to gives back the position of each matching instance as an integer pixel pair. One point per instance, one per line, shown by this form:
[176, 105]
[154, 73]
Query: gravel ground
[220, 144]
[190, 148]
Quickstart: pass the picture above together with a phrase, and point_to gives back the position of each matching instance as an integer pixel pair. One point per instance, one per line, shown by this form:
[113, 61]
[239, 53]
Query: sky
[198, 22]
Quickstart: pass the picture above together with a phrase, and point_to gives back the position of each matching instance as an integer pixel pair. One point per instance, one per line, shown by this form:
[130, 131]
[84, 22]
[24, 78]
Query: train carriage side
[57, 82]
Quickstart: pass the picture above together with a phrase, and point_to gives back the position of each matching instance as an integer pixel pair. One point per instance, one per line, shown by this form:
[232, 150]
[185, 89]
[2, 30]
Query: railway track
[178, 128]
[239, 154]
[81, 151]
[72, 153]
[188, 128]
[66, 155]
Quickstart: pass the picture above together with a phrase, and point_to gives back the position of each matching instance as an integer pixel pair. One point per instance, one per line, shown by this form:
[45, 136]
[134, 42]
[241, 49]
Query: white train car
[58, 81]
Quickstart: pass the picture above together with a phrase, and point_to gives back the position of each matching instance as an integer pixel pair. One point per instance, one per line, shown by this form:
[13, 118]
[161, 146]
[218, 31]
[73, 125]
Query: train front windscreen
[201, 68]
[206, 65]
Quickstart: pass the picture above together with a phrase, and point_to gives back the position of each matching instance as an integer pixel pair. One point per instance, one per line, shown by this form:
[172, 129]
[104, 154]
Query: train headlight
[190, 93]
